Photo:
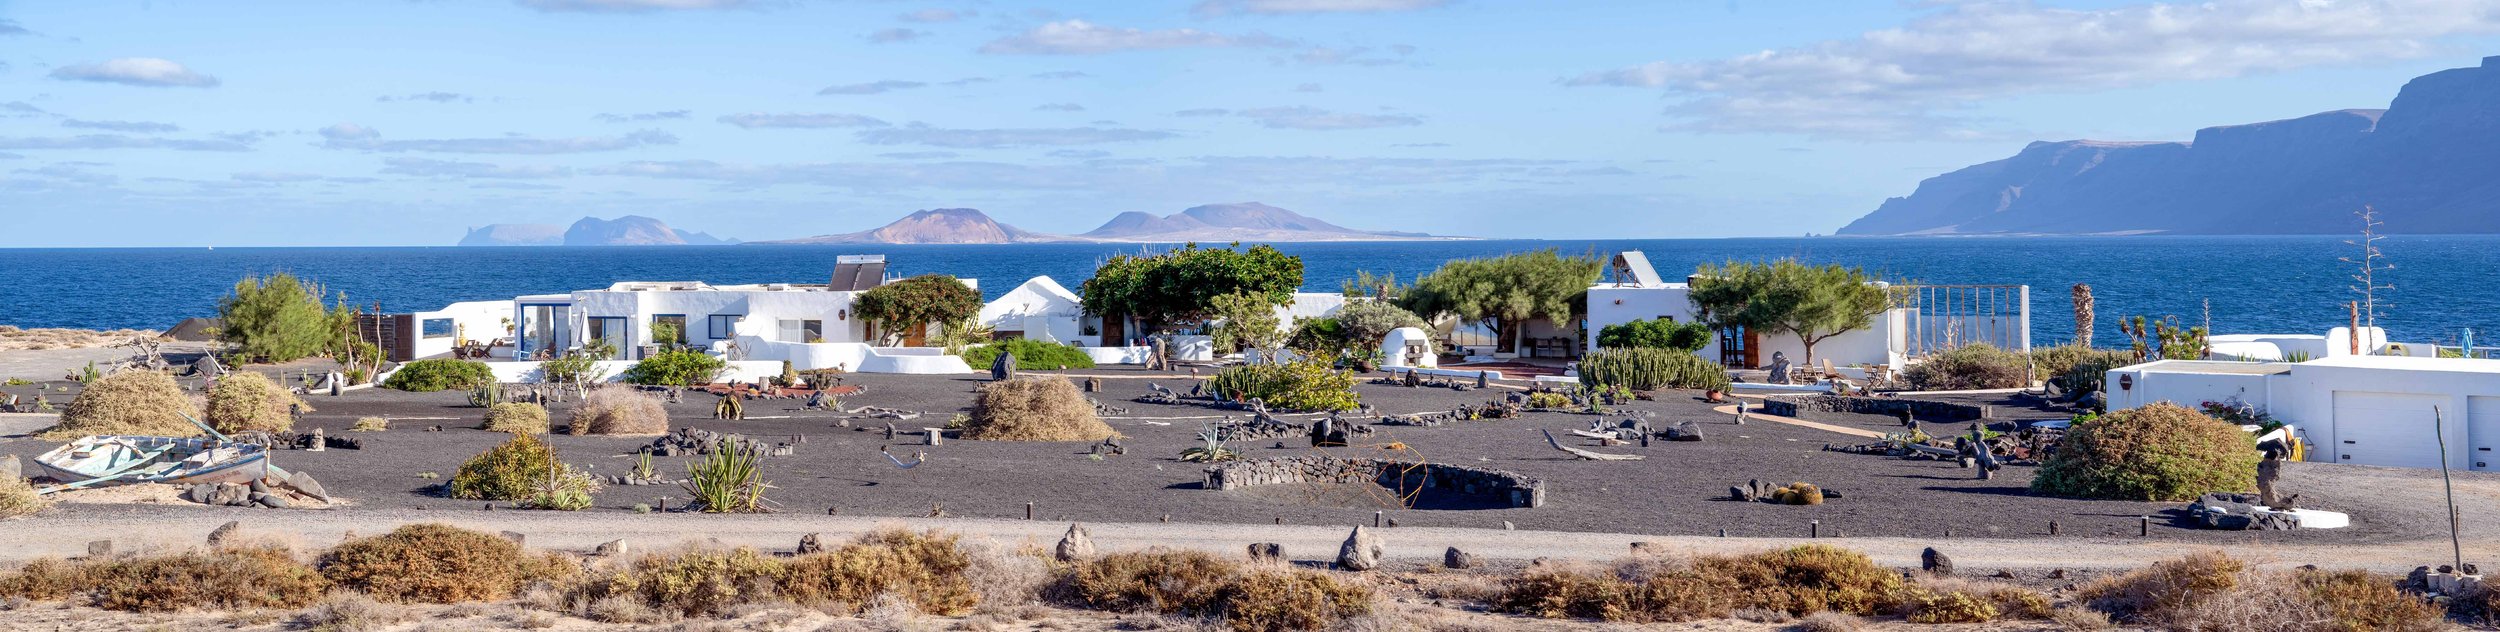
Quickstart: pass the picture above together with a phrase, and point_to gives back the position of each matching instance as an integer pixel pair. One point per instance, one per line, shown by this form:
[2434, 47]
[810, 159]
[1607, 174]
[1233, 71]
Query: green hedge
[2160, 452]
[683, 367]
[1646, 369]
[440, 374]
[1307, 385]
[1030, 355]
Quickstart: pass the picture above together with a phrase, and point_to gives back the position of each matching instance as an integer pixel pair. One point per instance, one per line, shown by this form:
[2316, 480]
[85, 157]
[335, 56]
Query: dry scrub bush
[694, 582]
[2212, 591]
[1800, 581]
[127, 403]
[1296, 599]
[234, 578]
[349, 612]
[2480, 606]
[245, 401]
[1153, 580]
[1955, 606]
[18, 498]
[1831, 622]
[2161, 452]
[1970, 367]
[928, 569]
[510, 471]
[516, 418]
[619, 410]
[370, 424]
[1034, 409]
[430, 563]
[2006, 600]
[1007, 577]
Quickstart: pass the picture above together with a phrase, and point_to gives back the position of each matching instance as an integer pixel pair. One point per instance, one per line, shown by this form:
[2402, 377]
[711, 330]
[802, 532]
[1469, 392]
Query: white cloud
[1916, 80]
[897, 34]
[1309, 118]
[274, 176]
[357, 137]
[921, 134]
[633, 6]
[136, 71]
[117, 141]
[423, 167]
[1278, 7]
[752, 120]
[873, 87]
[437, 97]
[1079, 37]
[139, 127]
[10, 27]
[1326, 56]
[933, 16]
[640, 117]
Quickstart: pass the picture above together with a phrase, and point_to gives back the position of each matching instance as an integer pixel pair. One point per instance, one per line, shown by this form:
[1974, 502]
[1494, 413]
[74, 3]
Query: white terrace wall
[481, 320]
[760, 310]
[1881, 343]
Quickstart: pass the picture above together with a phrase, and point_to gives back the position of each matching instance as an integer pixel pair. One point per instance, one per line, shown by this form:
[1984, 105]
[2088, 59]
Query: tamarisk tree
[1813, 303]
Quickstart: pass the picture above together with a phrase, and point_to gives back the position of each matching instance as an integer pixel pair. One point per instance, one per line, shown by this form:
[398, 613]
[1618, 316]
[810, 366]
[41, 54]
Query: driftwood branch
[1585, 454]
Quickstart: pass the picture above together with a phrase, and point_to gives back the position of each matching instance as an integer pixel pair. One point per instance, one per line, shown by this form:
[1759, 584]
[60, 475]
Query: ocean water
[2286, 284]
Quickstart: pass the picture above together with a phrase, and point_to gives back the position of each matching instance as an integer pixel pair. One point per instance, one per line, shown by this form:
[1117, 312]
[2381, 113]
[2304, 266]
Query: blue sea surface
[2272, 284]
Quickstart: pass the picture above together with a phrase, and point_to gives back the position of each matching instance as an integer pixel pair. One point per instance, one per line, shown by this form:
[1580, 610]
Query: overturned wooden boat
[103, 460]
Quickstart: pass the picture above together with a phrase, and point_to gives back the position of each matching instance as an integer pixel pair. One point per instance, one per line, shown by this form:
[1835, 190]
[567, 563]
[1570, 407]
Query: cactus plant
[486, 394]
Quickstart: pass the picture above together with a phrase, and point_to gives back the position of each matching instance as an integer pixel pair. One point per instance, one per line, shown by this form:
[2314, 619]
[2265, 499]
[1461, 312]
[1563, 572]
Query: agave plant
[1212, 447]
[730, 479]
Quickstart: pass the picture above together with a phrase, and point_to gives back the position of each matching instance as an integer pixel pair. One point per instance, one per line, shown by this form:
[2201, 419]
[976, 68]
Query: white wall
[761, 310]
[852, 356]
[1883, 342]
[2150, 383]
[2305, 395]
[1040, 309]
[481, 320]
[532, 372]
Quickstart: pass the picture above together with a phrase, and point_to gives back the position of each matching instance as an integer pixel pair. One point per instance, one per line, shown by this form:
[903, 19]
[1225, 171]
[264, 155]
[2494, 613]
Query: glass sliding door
[611, 330]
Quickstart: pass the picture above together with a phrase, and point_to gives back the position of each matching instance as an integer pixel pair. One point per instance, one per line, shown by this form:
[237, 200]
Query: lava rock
[226, 533]
[1362, 550]
[1458, 559]
[1934, 561]
[1076, 545]
[1267, 551]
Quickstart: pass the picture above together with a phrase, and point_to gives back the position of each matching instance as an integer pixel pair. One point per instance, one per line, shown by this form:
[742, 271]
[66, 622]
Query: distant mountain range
[2430, 163]
[630, 230]
[1247, 221]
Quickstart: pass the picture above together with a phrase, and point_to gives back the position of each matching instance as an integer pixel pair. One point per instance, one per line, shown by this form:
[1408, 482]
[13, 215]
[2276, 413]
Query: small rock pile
[1791, 494]
[697, 441]
[296, 490]
[2238, 512]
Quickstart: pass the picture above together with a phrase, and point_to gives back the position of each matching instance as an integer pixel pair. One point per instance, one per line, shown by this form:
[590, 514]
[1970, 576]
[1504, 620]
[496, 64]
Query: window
[610, 329]
[439, 328]
[668, 329]
[725, 326]
[807, 331]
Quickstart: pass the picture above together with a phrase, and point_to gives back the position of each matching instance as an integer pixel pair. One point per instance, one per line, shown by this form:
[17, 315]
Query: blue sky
[384, 122]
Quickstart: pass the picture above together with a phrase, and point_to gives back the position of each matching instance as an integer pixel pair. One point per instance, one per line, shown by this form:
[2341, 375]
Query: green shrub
[245, 401]
[516, 418]
[439, 374]
[1030, 355]
[1366, 323]
[2160, 452]
[428, 563]
[680, 367]
[1970, 367]
[908, 304]
[505, 472]
[1306, 384]
[126, 403]
[2077, 368]
[1649, 369]
[1656, 333]
[729, 480]
[275, 319]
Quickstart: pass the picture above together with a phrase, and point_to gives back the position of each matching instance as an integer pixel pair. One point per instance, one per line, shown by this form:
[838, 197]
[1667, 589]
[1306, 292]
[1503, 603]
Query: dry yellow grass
[619, 410]
[17, 498]
[247, 401]
[127, 403]
[15, 339]
[1034, 409]
[516, 418]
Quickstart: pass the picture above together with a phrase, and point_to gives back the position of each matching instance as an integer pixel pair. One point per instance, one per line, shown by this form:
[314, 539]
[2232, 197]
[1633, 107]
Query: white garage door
[2482, 432]
[2388, 429]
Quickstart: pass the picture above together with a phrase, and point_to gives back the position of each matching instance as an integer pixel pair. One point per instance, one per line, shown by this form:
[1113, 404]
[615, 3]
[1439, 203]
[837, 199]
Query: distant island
[2430, 163]
[1245, 221]
[630, 230]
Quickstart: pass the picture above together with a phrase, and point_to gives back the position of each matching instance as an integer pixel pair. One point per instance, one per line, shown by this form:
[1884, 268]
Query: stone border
[1804, 407]
[1513, 489]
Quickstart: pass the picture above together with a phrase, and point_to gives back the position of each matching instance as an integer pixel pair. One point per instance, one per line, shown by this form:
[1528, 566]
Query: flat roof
[2409, 363]
[2212, 367]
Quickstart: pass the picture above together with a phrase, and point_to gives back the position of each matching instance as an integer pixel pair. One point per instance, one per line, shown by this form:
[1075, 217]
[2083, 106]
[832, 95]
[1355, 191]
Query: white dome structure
[1408, 347]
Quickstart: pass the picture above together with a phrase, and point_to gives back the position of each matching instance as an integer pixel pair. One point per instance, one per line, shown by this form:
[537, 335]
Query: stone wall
[1806, 407]
[1433, 478]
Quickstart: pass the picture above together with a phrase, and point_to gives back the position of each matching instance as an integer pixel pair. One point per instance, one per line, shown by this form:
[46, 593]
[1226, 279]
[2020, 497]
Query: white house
[2336, 342]
[810, 326]
[1894, 339]
[2357, 409]
[1042, 309]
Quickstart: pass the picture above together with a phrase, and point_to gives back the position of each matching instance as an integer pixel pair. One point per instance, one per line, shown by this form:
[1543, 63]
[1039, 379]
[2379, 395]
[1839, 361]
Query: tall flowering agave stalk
[2083, 314]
